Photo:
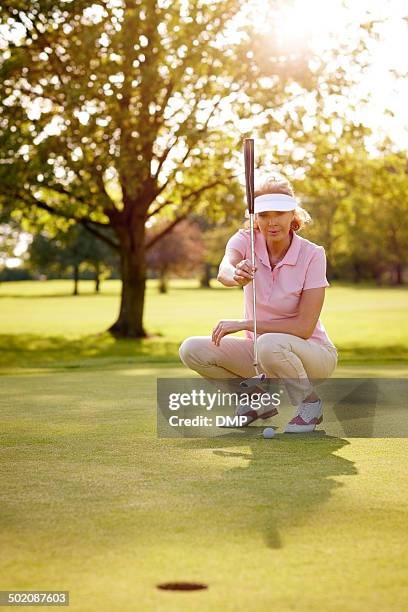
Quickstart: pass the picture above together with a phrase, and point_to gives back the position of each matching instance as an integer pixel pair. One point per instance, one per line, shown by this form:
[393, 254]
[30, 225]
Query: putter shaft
[256, 365]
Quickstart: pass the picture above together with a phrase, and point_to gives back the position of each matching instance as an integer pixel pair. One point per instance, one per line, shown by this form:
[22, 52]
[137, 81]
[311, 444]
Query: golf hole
[182, 586]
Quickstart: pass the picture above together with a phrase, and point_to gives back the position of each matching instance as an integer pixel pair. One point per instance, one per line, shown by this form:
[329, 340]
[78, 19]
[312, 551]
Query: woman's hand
[226, 327]
[244, 272]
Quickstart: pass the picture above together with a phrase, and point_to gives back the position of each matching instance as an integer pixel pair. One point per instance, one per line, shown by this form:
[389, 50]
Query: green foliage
[66, 251]
[359, 208]
[136, 92]
[86, 66]
[357, 199]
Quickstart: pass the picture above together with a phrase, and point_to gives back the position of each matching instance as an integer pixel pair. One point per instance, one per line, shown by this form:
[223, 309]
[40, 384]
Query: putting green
[92, 502]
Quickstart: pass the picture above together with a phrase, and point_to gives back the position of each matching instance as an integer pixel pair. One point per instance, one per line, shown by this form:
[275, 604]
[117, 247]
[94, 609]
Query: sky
[320, 23]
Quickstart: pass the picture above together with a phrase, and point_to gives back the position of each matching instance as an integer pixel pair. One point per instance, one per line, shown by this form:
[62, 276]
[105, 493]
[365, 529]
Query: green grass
[93, 502]
[43, 325]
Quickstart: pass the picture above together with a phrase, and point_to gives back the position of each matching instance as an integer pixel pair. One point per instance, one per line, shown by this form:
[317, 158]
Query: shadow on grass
[361, 355]
[103, 350]
[29, 350]
[283, 486]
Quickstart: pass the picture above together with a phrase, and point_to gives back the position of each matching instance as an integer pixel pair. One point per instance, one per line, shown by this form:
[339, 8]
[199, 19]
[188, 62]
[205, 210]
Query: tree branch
[85, 221]
[166, 152]
[177, 135]
[60, 189]
[194, 195]
[191, 194]
[114, 245]
[168, 229]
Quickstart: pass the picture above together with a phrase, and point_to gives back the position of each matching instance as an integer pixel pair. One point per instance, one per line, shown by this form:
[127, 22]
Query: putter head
[253, 382]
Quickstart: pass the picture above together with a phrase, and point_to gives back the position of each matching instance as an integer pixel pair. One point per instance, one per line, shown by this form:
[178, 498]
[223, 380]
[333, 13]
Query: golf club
[249, 182]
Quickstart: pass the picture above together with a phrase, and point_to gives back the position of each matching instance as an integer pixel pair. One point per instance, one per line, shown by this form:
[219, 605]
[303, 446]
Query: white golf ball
[268, 432]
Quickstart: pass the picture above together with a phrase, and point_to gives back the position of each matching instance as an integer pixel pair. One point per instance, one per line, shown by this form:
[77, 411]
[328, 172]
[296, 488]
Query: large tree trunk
[356, 272]
[206, 277]
[133, 271]
[398, 272]
[76, 278]
[163, 285]
[97, 277]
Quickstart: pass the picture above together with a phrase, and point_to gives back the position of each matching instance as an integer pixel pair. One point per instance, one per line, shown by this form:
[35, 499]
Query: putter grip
[249, 172]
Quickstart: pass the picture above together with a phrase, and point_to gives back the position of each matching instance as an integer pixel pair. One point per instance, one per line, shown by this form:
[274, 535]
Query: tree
[179, 252]
[69, 251]
[358, 204]
[335, 163]
[381, 228]
[44, 255]
[113, 113]
[109, 116]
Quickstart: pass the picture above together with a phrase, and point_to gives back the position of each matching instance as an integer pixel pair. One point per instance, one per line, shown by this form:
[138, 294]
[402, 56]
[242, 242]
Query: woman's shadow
[283, 481]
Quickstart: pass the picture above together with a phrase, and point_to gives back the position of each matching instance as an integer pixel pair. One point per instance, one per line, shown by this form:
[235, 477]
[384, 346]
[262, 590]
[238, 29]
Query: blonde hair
[275, 183]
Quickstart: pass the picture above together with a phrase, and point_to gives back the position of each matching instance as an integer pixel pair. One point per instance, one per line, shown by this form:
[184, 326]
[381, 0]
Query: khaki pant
[284, 356]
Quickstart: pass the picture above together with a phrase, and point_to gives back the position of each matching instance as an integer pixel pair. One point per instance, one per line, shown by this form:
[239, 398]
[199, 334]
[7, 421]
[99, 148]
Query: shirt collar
[291, 255]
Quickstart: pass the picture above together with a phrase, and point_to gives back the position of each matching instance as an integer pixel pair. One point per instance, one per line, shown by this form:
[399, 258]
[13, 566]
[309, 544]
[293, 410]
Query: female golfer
[290, 282]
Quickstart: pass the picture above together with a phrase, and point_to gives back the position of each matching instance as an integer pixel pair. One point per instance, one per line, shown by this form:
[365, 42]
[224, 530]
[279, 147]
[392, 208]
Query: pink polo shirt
[278, 291]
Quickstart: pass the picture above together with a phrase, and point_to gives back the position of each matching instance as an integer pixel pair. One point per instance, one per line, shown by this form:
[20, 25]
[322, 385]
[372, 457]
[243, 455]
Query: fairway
[93, 502]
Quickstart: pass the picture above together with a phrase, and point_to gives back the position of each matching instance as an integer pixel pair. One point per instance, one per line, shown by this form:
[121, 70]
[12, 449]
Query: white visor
[274, 201]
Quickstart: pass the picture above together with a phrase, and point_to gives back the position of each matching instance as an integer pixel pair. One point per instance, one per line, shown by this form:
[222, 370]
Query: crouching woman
[293, 344]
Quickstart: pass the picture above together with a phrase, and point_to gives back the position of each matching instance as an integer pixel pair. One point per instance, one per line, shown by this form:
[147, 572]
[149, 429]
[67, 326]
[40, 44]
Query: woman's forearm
[291, 325]
[226, 276]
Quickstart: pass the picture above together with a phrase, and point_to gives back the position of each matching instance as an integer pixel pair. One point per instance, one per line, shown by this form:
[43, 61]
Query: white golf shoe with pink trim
[308, 415]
